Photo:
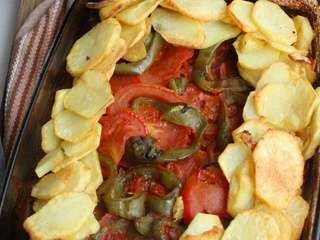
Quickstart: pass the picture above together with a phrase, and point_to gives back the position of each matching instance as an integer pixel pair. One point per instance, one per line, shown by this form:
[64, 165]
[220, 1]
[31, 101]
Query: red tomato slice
[168, 65]
[168, 135]
[205, 191]
[119, 81]
[208, 104]
[117, 129]
[126, 95]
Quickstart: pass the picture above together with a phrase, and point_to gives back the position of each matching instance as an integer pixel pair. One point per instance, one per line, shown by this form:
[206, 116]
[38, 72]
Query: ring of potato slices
[264, 166]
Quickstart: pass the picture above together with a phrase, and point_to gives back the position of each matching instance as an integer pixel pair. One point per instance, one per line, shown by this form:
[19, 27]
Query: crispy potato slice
[204, 226]
[303, 69]
[92, 161]
[132, 34]
[232, 157]
[285, 227]
[90, 226]
[241, 189]
[58, 102]
[48, 187]
[113, 7]
[80, 149]
[217, 31]
[49, 162]
[274, 23]
[252, 225]
[138, 12]
[278, 72]
[178, 209]
[178, 29]
[240, 12]
[93, 196]
[251, 131]
[91, 48]
[60, 217]
[136, 53]
[72, 127]
[311, 135]
[204, 10]
[250, 75]
[279, 168]
[288, 105]
[73, 178]
[87, 101]
[256, 54]
[66, 162]
[167, 4]
[297, 212]
[111, 59]
[38, 204]
[249, 110]
[49, 140]
[305, 33]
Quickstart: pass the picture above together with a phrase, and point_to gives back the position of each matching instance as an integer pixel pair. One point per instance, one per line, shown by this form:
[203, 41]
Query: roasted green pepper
[178, 85]
[166, 229]
[180, 114]
[117, 202]
[139, 67]
[144, 224]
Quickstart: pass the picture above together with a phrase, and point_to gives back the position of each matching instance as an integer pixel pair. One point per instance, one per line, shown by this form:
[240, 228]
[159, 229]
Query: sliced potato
[278, 72]
[49, 162]
[241, 189]
[204, 10]
[240, 12]
[274, 23]
[217, 31]
[178, 29]
[252, 225]
[113, 7]
[49, 140]
[71, 127]
[256, 54]
[136, 53]
[108, 63]
[90, 226]
[60, 217]
[66, 162]
[204, 226]
[304, 32]
[167, 4]
[311, 135]
[178, 209]
[249, 110]
[288, 106]
[278, 168]
[73, 178]
[251, 131]
[38, 204]
[285, 227]
[58, 102]
[93, 196]
[80, 149]
[304, 70]
[91, 48]
[250, 75]
[138, 12]
[297, 212]
[132, 34]
[87, 101]
[232, 157]
[92, 161]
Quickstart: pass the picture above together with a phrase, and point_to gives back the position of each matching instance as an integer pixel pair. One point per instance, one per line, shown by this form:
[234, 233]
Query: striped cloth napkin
[32, 42]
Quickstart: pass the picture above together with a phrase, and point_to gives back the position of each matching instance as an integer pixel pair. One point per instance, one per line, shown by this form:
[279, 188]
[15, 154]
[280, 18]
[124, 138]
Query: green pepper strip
[136, 206]
[180, 114]
[178, 85]
[137, 68]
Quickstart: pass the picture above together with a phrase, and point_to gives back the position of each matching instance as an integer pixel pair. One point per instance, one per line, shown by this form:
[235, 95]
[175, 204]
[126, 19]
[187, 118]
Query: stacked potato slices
[264, 165]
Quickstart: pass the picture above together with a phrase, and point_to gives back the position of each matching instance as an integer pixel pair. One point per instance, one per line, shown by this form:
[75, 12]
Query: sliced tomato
[117, 129]
[205, 191]
[208, 104]
[119, 81]
[168, 135]
[126, 95]
[184, 168]
[168, 65]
